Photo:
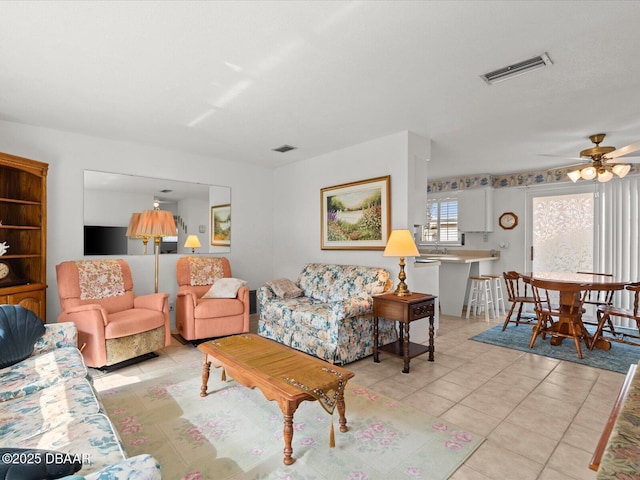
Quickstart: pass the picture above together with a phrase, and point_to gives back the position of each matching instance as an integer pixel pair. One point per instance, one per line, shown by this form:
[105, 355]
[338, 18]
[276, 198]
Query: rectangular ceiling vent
[284, 149]
[516, 69]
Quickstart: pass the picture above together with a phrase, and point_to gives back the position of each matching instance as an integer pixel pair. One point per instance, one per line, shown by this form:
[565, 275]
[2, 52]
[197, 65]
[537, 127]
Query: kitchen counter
[424, 261]
[456, 266]
[461, 256]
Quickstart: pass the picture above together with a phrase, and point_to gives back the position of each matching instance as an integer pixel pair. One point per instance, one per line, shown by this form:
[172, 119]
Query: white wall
[296, 220]
[69, 154]
[512, 253]
[296, 202]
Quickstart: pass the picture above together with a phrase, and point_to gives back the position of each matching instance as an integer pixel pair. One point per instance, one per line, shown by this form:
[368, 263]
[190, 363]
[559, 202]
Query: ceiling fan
[602, 161]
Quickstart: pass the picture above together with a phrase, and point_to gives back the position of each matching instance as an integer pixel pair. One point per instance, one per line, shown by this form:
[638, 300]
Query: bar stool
[498, 297]
[480, 297]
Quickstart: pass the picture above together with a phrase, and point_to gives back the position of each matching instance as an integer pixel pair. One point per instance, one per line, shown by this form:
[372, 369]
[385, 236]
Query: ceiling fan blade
[564, 156]
[623, 151]
[612, 161]
[575, 165]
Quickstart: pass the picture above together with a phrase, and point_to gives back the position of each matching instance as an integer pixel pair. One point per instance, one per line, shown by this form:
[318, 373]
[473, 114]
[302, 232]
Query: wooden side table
[404, 310]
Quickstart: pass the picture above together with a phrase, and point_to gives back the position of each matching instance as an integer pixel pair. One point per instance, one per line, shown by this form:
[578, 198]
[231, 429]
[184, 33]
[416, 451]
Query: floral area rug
[234, 432]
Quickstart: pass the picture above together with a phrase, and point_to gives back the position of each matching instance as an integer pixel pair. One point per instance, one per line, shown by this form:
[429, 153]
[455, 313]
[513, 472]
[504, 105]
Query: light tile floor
[541, 417]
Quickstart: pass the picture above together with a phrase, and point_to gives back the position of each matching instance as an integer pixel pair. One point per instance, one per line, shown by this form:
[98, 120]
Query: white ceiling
[235, 79]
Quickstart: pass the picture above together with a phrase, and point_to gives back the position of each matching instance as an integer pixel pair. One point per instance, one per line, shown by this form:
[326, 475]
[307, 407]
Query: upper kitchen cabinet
[23, 232]
[475, 210]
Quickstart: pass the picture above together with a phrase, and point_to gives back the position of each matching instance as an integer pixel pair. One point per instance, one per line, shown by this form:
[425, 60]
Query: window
[442, 222]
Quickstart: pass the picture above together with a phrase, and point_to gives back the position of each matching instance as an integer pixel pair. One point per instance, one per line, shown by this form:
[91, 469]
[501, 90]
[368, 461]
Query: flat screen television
[99, 240]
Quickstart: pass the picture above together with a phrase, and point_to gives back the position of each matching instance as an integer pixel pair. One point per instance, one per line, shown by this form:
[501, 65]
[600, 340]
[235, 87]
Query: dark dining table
[588, 281]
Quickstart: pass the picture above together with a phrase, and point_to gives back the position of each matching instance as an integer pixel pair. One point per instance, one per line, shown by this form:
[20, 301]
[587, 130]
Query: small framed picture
[221, 225]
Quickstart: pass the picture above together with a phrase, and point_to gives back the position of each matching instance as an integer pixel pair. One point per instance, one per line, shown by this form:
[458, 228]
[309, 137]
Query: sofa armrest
[264, 294]
[188, 297]
[140, 467]
[57, 335]
[152, 301]
[617, 454]
[351, 307]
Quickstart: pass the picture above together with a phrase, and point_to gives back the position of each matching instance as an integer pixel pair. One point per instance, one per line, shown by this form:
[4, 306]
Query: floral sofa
[621, 456]
[47, 403]
[327, 312]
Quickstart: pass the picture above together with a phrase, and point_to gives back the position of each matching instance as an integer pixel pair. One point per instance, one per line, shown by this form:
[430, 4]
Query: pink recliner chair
[113, 324]
[197, 317]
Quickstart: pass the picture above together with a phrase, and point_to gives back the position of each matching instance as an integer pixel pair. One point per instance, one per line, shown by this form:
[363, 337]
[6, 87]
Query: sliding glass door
[562, 229]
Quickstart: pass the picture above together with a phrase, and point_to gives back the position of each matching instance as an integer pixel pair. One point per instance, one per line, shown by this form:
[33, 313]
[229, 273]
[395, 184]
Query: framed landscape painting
[356, 216]
[221, 225]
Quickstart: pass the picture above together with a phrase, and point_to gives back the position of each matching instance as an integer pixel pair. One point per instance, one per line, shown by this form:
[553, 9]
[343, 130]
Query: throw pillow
[32, 464]
[19, 330]
[225, 288]
[284, 288]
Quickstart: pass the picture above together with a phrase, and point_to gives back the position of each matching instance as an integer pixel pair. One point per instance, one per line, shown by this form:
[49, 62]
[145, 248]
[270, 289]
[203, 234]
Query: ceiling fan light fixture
[605, 176]
[588, 173]
[574, 175]
[621, 169]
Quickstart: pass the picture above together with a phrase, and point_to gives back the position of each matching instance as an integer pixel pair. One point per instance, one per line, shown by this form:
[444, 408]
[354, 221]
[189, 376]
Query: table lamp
[401, 244]
[192, 242]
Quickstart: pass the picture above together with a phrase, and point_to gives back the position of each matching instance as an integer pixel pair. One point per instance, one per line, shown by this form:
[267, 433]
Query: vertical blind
[617, 241]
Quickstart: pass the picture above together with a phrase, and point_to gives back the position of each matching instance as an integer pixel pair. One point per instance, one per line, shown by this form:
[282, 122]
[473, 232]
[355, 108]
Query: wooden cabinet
[475, 210]
[23, 227]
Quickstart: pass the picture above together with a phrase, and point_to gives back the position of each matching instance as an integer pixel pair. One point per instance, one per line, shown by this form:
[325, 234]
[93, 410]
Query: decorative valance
[522, 179]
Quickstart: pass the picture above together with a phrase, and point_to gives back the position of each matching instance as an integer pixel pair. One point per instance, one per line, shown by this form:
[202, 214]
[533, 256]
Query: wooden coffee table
[257, 362]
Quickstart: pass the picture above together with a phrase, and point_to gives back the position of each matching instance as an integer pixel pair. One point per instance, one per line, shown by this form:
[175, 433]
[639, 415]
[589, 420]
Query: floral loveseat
[329, 314]
[47, 402]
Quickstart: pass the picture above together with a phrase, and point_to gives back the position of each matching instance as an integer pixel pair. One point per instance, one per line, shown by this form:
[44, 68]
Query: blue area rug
[518, 337]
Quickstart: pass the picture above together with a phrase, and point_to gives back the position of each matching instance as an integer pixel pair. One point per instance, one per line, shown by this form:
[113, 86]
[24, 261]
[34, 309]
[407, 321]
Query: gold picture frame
[221, 225]
[356, 215]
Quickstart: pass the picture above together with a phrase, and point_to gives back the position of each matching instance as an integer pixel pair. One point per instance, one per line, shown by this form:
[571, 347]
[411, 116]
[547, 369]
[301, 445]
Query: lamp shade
[605, 176]
[588, 173]
[401, 244]
[621, 169]
[192, 242]
[156, 223]
[574, 175]
[133, 225]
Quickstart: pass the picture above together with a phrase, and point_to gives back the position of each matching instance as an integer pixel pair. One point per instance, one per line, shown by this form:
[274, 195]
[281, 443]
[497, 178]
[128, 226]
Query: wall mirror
[111, 198]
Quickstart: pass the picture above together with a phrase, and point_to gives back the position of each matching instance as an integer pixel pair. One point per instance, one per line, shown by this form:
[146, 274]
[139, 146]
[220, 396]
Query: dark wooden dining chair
[517, 295]
[599, 297]
[605, 312]
[561, 320]
[596, 298]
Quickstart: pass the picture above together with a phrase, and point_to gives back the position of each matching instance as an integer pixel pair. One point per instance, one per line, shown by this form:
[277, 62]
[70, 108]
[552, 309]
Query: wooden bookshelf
[23, 213]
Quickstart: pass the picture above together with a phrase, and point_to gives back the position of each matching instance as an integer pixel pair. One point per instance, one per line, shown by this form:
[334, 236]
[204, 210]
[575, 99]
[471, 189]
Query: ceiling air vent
[284, 148]
[516, 69]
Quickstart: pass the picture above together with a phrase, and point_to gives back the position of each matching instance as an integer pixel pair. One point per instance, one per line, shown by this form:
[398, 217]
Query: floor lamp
[156, 224]
[133, 228]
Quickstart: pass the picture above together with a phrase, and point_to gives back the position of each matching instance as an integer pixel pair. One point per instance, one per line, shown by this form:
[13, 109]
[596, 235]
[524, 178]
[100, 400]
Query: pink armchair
[113, 324]
[197, 317]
